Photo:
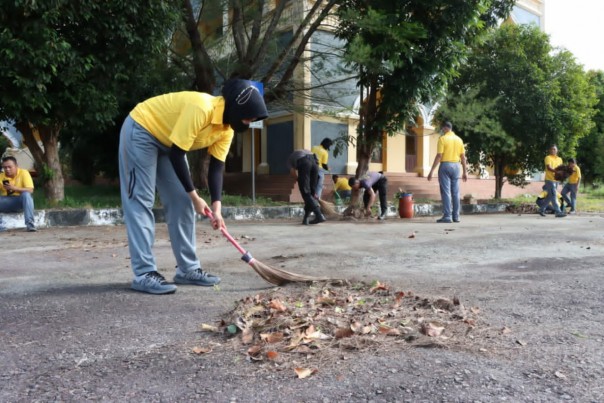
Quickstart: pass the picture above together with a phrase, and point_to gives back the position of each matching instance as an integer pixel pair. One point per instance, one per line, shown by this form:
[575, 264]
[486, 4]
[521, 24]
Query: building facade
[331, 110]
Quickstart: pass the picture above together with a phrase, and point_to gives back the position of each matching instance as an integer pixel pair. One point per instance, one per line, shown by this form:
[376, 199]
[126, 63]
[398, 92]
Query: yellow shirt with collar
[451, 147]
[576, 176]
[321, 153]
[191, 120]
[342, 184]
[553, 161]
[21, 180]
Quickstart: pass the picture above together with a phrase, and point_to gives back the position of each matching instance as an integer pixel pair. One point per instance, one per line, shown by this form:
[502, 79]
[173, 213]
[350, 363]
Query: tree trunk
[199, 163]
[363, 159]
[47, 160]
[498, 166]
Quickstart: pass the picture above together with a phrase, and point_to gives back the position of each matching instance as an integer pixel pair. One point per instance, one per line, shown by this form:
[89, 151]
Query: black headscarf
[242, 101]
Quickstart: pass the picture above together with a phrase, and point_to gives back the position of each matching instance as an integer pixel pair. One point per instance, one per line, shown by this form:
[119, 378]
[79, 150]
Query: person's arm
[14, 188]
[548, 165]
[215, 180]
[435, 164]
[464, 162]
[371, 201]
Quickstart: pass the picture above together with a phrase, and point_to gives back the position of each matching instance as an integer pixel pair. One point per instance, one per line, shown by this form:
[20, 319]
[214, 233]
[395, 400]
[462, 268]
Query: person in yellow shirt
[541, 201]
[153, 141]
[572, 187]
[552, 161]
[450, 152]
[341, 188]
[16, 193]
[322, 153]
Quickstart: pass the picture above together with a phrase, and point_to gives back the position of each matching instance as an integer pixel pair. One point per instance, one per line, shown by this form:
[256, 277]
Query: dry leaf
[326, 301]
[208, 328]
[399, 295]
[309, 330]
[475, 310]
[277, 305]
[343, 332]
[506, 330]
[431, 330]
[356, 326]
[522, 343]
[318, 335]
[412, 235]
[272, 355]
[254, 353]
[247, 336]
[367, 330]
[304, 372]
[559, 375]
[271, 338]
[201, 350]
[379, 286]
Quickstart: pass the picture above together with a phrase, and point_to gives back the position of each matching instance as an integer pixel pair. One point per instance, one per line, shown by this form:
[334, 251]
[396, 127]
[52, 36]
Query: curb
[100, 217]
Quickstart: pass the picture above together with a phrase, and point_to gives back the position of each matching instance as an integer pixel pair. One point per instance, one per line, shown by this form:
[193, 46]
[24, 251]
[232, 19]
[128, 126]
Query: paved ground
[71, 329]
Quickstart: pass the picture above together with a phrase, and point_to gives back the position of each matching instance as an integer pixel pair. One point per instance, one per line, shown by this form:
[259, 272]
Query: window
[522, 16]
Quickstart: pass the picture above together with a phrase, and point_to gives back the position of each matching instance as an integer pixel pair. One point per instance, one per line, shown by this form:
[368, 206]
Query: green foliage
[590, 152]
[408, 51]
[411, 49]
[4, 144]
[64, 63]
[66, 59]
[514, 97]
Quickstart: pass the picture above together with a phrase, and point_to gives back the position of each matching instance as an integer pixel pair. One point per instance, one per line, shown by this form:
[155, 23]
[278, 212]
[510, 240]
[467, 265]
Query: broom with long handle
[270, 274]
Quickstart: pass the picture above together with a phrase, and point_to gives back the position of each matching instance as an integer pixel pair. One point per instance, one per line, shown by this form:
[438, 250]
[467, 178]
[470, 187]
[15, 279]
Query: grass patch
[80, 196]
[108, 196]
[589, 200]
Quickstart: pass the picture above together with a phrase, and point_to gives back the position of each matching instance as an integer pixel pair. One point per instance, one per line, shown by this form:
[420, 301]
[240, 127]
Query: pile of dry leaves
[523, 208]
[294, 328]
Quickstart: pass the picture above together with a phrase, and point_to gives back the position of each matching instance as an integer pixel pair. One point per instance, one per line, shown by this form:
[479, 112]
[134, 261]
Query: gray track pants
[144, 165]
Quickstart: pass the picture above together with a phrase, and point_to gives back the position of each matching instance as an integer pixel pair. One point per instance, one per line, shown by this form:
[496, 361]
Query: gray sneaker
[196, 277]
[153, 283]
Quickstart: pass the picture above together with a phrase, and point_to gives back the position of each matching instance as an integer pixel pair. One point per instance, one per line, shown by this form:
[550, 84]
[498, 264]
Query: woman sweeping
[153, 142]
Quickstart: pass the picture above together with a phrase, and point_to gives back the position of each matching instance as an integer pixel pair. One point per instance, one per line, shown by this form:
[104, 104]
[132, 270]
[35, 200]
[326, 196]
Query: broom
[328, 208]
[272, 275]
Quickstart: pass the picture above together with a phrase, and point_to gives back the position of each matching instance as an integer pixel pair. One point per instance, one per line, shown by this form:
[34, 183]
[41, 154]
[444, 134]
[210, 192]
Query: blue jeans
[572, 189]
[551, 188]
[448, 179]
[320, 180]
[144, 165]
[15, 204]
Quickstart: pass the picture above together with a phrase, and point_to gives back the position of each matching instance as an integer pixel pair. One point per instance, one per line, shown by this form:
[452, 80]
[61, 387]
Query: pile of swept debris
[291, 329]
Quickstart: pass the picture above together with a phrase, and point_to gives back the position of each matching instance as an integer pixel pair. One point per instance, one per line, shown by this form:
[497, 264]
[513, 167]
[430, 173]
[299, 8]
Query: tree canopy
[590, 152]
[514, 97]
[63, 63]
[406, 52]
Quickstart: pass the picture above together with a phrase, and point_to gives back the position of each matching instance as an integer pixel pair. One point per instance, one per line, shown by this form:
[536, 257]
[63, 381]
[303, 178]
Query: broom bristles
[279, 277]
[328, 208]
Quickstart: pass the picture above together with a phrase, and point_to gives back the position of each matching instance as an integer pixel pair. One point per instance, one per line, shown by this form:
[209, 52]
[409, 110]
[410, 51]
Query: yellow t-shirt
[341, 184]
[576, 176]
[191, 120]
[554, 161]
[21, 180]
[321, 153]
[451, 147]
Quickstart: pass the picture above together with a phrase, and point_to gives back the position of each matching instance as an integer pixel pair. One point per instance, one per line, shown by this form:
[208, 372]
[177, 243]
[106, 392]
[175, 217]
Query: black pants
[380, 187]
[308, 174]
